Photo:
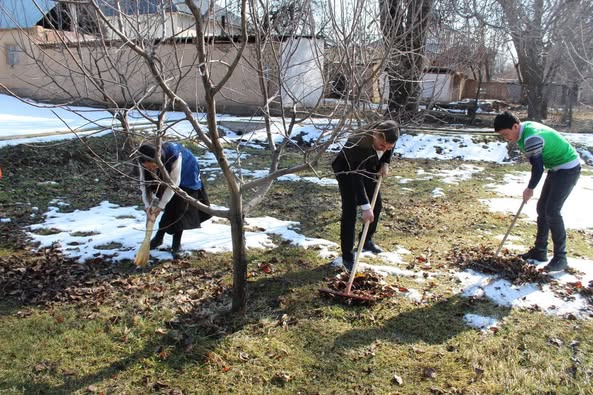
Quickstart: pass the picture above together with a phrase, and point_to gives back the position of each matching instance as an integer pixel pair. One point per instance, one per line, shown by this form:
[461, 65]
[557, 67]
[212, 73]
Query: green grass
[109, 328]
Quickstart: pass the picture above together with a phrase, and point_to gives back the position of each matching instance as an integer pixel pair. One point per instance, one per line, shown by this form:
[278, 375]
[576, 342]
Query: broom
[144, 252]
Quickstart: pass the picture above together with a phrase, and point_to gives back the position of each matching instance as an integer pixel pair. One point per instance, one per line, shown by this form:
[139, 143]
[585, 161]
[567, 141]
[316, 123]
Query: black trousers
[556, 189]
[350, 212]
[179, 215]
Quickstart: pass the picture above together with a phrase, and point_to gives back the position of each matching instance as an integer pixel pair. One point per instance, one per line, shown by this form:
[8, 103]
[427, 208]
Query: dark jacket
[358, 160]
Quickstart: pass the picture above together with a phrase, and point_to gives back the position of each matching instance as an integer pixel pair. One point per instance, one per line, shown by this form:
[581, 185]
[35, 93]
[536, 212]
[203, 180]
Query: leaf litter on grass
[47, 278]
[515, 269]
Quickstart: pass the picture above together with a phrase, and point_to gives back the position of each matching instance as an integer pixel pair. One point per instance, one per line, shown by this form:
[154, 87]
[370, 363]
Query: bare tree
[129, 60]
[576, 54]
[466, 43]
[404, 27]
[150, 57]
[533, 26]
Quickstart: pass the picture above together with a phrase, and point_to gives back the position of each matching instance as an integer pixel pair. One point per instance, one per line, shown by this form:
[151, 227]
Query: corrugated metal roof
[23, 13]
[26, 13]
[133, 7]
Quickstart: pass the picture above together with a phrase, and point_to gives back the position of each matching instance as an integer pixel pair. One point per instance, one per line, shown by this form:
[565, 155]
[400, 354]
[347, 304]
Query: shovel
[510, 227]
[347, 293]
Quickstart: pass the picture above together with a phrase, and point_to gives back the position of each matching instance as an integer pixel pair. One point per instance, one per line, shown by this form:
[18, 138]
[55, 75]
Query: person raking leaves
[545, 148]
[357, 167]
[178, 214]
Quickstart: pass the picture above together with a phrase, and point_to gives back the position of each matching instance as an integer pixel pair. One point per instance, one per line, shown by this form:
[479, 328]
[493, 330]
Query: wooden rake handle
[510, 227]
[365, 230]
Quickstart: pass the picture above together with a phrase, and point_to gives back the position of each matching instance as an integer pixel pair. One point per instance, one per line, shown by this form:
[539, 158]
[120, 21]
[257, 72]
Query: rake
[510, 227]
[348, 291]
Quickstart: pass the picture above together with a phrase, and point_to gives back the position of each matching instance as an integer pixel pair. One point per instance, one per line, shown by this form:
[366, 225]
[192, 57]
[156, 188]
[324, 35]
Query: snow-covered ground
[116, 232]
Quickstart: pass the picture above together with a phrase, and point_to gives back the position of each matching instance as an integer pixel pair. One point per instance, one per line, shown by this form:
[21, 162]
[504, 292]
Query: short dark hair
[505, 120]
[389, 129]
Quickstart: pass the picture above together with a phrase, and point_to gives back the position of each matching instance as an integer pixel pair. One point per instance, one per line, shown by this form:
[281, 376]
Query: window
[12, 55]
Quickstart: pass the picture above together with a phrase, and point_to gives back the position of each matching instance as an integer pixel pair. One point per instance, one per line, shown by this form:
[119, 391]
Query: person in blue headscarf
[184, 171]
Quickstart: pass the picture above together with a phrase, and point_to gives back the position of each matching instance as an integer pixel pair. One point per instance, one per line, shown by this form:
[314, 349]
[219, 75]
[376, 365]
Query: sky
[115, 232]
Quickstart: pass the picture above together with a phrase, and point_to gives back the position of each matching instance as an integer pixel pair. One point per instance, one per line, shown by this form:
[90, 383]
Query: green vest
[557, 150]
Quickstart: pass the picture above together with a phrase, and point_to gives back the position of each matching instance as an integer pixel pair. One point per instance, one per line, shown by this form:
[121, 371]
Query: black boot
[557, 263]
[535, 254]
[176, 246]
[157, 240]
[370, 246]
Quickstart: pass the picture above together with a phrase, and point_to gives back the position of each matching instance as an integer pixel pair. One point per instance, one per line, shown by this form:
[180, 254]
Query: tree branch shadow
[433, 324]
[190, 337]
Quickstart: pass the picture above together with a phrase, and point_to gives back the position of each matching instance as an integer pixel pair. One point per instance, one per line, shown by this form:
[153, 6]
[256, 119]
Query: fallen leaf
[68, 372]
[429, 373]
[243, 356]
[266, 268]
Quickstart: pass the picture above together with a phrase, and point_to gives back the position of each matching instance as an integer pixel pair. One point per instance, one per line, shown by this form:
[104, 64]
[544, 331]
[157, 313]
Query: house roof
[154, 6]
[27, 13]
[23, 13]
[130, 7]
[203, 5]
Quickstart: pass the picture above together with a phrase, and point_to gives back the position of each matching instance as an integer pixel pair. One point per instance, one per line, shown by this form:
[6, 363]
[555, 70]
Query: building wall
[126, 77]
[437, 87]
[510, 92]
[504, 91]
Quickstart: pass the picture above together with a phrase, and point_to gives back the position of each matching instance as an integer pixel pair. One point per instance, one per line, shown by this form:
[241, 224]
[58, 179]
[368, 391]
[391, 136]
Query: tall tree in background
[404, 26]
[456, 22]
[575, 49]
[286, 17]
[354, 59]
[533, 26]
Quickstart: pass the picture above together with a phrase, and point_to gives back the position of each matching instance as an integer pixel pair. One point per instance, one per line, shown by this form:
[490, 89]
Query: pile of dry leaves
[506, 265]
[367, 288]
[511, 267]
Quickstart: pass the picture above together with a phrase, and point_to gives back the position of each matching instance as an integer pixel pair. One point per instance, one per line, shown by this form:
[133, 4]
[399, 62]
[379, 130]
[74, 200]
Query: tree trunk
[239, 254]
[535, 95]
[528, 39]
[572, 99]
[477, 97]
[404, 31]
